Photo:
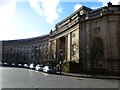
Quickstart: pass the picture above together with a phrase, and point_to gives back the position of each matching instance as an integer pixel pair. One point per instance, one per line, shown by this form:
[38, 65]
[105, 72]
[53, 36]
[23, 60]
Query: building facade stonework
[32, 50]
[0, 51]
[84, 41]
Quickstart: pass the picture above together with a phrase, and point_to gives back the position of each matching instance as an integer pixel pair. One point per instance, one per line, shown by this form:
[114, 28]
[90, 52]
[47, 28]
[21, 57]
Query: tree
[96, 54]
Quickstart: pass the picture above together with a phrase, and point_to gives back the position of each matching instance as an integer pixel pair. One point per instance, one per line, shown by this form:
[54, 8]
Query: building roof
[77, 11]
[28, 39]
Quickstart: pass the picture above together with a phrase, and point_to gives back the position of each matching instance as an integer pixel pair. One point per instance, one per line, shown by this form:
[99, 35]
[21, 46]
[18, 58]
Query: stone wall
[0, 51]
[105, 28]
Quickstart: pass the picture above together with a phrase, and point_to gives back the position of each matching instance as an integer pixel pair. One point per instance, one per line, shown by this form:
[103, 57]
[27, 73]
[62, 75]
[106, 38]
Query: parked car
[49, 69]
[32, 66]
[13, 64]
[19, 65]
[39, 67]
[5, 64]
[25, 65]
[0, 63]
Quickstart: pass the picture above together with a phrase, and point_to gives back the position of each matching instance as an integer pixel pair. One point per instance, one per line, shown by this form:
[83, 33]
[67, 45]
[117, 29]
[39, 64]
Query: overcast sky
[21, 19]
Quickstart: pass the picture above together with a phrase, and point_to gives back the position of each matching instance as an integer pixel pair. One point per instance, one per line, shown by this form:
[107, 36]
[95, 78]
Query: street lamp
[60, 66]
[47, 55]
[48, 58]
[60, 61]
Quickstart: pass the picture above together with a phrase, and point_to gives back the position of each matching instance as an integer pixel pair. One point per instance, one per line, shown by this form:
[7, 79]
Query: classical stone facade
[0, 51]
[89, 38]
[84, 41]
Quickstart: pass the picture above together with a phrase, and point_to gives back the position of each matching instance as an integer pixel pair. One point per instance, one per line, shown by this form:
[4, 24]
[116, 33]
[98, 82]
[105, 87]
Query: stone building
[88, 40]
[0, 51]
[84, 41]
[32, 50]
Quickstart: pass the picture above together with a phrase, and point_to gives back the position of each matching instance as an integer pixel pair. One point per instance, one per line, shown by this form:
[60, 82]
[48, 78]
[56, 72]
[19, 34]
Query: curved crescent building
[32, 50]
[84, 41]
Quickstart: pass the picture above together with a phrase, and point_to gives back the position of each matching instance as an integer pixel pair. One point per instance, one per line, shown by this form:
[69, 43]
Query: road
[26, 78]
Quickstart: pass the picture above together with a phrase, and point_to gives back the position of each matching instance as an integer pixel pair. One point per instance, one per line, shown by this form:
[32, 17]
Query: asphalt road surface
[27, 78]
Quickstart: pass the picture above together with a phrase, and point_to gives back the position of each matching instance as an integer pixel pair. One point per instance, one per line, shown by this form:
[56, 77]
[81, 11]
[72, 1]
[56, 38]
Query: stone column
[66, 45]
[1, 62]
[57, 50]
[69, 47]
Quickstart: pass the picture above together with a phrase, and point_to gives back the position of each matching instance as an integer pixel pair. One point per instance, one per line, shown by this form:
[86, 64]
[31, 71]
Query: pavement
[90, 76]
[27, 78]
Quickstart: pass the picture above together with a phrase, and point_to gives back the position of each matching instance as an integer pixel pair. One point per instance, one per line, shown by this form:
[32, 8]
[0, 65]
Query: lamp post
[60, 61]
[60, 67]
[37, 54]
[48, 58]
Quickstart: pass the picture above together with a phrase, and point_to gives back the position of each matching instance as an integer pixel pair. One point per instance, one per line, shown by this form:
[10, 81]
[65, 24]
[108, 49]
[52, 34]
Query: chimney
[109, 4]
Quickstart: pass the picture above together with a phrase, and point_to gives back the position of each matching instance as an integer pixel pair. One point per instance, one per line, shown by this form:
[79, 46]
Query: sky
[20, 19]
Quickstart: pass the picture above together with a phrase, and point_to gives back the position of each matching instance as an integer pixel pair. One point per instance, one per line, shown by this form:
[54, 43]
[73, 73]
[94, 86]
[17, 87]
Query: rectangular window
[73, 35]
[40, 46]
[97, 30]
[32, 47]
[74, 49]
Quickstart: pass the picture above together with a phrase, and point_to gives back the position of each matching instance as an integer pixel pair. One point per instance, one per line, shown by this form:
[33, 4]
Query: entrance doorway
[62, 47]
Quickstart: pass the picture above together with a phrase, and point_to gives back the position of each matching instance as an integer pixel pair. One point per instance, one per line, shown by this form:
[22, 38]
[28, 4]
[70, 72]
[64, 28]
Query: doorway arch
[97, 52]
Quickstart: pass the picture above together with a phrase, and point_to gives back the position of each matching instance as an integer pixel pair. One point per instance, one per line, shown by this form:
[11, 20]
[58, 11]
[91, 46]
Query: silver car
[39, 67]
[32, 66]
[26, 65]
[19, 65]
[49, 69]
